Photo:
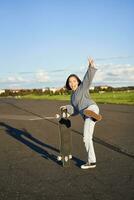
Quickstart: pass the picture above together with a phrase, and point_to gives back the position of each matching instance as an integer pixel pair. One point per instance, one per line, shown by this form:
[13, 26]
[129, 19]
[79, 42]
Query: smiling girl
[82, 103]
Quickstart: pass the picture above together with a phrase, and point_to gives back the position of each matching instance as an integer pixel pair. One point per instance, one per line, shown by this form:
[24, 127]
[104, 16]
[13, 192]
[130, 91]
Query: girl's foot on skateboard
[92, 114]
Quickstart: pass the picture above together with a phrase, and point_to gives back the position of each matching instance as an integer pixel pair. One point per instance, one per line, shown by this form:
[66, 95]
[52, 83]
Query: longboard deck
[65, 141]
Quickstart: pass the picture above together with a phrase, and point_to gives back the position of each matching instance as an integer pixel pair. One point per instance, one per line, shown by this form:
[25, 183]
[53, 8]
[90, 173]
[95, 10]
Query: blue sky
[43, 41]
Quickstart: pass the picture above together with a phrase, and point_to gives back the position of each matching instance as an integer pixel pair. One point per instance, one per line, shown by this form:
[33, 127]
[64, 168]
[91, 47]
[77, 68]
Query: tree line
[61, 91]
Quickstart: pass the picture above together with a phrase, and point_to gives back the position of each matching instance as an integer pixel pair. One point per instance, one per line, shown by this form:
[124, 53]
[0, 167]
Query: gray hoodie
[80, 98]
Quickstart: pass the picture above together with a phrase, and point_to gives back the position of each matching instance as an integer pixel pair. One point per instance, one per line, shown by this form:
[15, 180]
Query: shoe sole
[90, 113]
[89, 167]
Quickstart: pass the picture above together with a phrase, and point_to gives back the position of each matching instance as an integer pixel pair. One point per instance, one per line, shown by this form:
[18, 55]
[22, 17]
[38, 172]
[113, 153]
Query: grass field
[107, 97]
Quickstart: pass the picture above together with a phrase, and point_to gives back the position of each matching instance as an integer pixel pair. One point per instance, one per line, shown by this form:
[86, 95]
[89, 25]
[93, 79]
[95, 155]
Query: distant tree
[57, 92]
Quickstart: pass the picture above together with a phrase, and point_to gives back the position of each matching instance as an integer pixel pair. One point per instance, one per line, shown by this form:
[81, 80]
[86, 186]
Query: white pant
[88, 134]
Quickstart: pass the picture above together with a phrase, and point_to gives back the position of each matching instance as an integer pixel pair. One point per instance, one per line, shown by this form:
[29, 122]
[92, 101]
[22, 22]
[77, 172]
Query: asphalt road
[29, 146]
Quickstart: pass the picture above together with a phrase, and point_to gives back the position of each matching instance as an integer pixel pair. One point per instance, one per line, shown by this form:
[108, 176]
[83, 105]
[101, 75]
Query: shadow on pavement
[26, 138]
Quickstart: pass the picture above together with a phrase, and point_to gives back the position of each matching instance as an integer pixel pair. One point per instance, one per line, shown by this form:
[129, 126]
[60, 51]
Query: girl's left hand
[91, 62]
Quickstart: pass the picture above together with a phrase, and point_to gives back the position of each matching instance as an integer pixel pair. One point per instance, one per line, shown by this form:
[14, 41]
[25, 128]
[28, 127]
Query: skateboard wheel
[59, 158]
[70, 156]
[57, 116]
[66, 158]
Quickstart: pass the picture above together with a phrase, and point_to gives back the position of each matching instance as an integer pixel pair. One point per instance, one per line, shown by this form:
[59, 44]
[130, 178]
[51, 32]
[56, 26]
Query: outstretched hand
[63, 108]
[64, 112]
[91, 62]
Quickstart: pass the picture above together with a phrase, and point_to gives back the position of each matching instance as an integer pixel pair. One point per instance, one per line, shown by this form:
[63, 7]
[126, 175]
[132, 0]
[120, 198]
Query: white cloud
[39, 76]
[107, 73]
[114, 58]
[42, 76]
[14, 86]
[13, 79]
[115, 73]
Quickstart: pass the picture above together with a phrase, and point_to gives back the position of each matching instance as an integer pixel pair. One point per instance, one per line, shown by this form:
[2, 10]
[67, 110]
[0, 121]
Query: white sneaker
[88, 165]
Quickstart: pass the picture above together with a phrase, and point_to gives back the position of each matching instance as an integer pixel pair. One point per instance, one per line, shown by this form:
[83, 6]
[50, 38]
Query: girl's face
[73, 83]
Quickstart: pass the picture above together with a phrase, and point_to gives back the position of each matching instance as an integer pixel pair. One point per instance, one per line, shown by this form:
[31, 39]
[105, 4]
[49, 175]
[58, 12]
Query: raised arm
[87, 80]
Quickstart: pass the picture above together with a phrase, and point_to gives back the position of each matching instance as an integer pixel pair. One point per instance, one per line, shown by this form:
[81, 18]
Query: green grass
[115, 97]
[49, 97]
[107, 97]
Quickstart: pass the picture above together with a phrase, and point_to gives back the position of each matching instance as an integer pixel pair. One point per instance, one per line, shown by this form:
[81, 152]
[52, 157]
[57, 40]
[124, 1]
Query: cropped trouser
[89, 125]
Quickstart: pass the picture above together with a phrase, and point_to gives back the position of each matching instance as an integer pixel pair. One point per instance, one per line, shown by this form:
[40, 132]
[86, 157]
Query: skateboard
[65, 139]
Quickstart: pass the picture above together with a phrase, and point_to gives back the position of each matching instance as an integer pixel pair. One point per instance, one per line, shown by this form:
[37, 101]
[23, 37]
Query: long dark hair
[67, 81]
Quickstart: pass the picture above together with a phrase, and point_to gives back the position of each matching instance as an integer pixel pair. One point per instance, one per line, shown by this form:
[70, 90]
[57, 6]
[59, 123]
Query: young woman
[81, 103]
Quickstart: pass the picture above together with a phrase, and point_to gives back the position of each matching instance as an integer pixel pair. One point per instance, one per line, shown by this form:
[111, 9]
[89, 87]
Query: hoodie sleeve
[87, 80]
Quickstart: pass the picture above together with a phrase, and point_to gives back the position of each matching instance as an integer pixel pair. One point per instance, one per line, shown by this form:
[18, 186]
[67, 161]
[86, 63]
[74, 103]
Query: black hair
[67, 81]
